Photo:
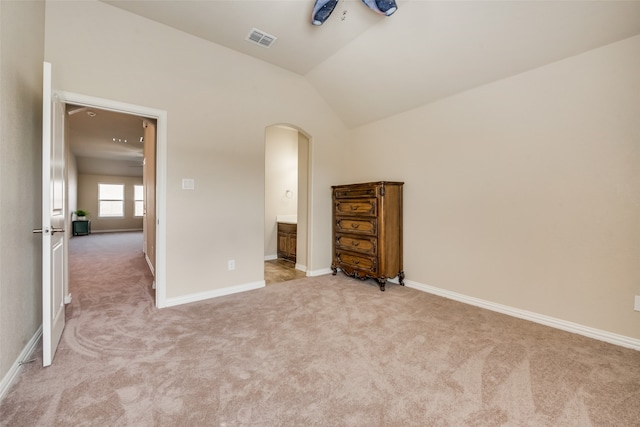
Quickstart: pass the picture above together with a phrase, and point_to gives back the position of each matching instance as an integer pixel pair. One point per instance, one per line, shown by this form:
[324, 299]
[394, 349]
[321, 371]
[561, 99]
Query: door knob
[46, 230]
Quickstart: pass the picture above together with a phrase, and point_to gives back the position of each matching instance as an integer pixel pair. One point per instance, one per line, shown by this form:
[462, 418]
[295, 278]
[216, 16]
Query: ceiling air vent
[261, 38]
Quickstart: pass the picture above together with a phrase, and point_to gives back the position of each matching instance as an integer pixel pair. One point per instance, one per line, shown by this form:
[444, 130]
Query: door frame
[161, 173]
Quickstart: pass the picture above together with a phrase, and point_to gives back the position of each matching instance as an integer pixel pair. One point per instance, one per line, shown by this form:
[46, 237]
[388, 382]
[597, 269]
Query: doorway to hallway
[160, 119]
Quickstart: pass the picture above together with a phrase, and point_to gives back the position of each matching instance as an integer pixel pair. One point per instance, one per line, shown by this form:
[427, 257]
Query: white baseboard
[123, 230]
[301, 267]
[201, 296]
[553, 322]
[270, 257]
[320, 272]
[11, 375]
[146, 257]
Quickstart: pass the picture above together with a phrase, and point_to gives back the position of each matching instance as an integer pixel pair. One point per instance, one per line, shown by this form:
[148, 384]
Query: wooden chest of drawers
[367, 231]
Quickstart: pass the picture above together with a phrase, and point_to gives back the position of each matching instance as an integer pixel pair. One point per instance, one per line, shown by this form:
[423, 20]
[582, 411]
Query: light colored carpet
[323, 351]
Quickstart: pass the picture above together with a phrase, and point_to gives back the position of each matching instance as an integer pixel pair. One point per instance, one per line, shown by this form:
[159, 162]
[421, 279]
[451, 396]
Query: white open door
[54, 262]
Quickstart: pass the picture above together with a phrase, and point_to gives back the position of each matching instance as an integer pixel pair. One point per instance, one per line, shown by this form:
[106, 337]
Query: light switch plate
[188, 184]
[636, 305]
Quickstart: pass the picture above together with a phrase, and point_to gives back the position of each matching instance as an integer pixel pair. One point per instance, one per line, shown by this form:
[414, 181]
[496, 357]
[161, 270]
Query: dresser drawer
[359, 262]
[354, 192]
[357, 225]
[367, 207]
[366, 245]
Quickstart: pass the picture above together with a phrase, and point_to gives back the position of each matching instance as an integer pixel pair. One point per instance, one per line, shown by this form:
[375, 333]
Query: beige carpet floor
[322, 351]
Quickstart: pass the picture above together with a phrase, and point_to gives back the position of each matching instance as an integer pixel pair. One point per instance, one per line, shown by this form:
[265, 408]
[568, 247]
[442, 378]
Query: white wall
[219, 103]
[21, 56]
[281, 176]
[525, 192]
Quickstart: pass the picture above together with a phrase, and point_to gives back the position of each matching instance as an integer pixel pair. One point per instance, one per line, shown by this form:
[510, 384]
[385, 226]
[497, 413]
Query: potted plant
[81, 215]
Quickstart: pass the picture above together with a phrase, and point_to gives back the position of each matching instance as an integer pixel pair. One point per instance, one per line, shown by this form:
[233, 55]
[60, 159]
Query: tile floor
[280, 270]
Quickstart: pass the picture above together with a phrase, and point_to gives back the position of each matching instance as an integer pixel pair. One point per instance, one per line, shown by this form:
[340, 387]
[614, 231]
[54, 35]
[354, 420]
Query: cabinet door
[291, 248]
[283, 243]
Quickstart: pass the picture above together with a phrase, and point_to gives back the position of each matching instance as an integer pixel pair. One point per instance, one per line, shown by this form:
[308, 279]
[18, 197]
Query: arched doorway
[287, 165]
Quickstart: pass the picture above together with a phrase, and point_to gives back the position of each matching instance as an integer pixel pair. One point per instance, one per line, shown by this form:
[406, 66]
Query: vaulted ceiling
[369, 67]
[105, 142]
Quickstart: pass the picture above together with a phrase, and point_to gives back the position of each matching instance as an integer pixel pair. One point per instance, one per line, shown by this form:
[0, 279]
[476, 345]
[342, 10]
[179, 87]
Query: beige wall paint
[150, 188]
[88, 201]
[303, 202]
[526, 192]
[72, 199]
[72, 183]
[281, 175]
[21, 56]
[218, 103]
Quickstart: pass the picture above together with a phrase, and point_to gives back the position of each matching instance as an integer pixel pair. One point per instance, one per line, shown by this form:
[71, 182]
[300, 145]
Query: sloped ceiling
[105, 142]
[369, 66]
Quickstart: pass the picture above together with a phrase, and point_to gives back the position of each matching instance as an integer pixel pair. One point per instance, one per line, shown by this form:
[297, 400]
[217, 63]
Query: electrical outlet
[188, 184]
[231, 264]
[636, 305]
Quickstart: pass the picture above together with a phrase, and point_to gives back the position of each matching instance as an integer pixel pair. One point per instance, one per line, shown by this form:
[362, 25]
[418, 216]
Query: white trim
[320, 272]
[120, 230]
[553, 322]
[270, 257]
[12, 374]
[170, 302]
[161, 174]
[300, 267]
[146, 257]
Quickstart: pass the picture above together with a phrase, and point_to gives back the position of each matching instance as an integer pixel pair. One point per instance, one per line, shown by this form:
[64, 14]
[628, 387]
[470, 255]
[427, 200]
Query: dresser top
[363, 184]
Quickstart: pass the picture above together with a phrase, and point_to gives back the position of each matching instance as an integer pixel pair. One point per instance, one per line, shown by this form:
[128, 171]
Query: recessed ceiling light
[91, 114]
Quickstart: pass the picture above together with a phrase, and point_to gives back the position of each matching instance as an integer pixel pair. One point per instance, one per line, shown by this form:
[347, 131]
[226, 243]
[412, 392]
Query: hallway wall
[218, 108]
[21, 56]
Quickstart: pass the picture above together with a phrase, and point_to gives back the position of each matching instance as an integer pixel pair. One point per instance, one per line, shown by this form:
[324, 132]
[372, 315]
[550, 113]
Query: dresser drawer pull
[356, 244]
[354, 207]
[355, 226]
